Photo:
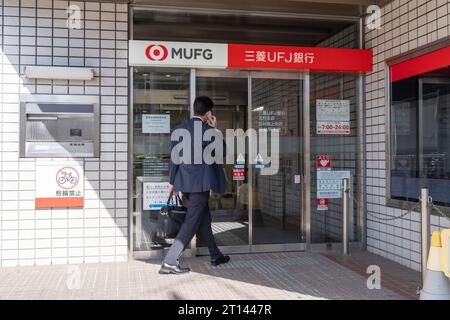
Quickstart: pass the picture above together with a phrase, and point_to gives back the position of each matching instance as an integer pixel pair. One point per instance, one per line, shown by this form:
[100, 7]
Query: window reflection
[420, 136]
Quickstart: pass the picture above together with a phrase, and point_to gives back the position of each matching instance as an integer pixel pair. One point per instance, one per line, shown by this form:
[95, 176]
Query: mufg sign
[177, 54]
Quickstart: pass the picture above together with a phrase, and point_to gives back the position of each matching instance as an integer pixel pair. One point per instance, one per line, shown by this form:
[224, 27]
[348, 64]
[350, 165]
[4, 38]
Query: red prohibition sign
[156, 52]
[67, 178]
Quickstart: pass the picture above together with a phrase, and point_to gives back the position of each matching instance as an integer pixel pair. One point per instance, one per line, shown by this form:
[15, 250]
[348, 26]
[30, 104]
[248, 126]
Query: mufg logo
[155, 52]
[159, 52]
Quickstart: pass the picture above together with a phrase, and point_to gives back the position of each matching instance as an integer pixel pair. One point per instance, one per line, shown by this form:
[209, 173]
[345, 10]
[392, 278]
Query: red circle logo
[156, 52]
[67, 178]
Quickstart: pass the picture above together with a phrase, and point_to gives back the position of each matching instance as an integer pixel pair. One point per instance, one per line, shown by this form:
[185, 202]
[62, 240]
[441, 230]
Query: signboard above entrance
[177, 54]
[299, 58]
[244, 56]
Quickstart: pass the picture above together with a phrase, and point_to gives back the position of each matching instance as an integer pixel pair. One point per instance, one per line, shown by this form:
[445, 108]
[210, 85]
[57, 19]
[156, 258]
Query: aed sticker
[322, 204]
[323, 162]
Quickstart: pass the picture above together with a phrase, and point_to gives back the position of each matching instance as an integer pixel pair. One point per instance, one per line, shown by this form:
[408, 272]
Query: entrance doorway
[230, 210]
[258, 212]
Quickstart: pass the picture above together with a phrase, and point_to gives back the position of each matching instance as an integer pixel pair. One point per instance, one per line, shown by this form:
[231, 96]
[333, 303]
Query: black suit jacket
[201, 177]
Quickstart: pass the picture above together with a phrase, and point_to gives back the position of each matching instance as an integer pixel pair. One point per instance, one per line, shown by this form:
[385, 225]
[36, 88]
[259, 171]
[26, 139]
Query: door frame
[305, 195]
[305, 163]
[305, 229]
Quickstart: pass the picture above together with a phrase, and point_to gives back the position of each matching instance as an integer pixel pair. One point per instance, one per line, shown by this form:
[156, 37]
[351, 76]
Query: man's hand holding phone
[212, 121]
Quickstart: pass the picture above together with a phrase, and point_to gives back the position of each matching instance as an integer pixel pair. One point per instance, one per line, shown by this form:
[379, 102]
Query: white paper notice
[329, 183]
[155, 195]
[156, 123]
[333, 116]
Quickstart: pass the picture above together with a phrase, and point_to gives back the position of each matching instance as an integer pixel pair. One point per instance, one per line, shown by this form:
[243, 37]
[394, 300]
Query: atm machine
[57, 126]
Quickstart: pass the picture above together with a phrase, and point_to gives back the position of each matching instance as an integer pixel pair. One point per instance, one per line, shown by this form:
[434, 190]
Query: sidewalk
[394, 276]
[287, 275]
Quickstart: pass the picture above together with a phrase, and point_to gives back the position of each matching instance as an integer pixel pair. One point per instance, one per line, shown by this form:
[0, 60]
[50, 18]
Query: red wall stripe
[59, 202]
[422, 64]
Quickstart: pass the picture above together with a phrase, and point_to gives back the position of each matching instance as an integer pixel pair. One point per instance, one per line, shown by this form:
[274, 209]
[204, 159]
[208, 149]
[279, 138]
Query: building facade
[138, 102]
[408, 26]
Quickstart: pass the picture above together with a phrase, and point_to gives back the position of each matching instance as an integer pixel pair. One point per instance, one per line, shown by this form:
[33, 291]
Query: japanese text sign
[329, 183]
[298, 58]
[155, 195]
[59, 184]
[333, 116]
[242, 56]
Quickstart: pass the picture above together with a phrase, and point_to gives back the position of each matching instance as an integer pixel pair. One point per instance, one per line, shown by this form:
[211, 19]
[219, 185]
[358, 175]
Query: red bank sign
[299, 58]
[243, 56]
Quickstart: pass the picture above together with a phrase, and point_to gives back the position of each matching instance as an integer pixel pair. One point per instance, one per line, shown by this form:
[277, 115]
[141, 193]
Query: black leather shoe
[220, 260]
[172, 269]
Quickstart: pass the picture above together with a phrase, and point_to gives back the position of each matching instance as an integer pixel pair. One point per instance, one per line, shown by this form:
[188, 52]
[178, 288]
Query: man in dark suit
[195, 179]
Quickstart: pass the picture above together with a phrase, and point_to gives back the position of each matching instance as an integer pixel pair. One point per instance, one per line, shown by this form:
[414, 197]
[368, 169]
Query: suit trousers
[197, 221]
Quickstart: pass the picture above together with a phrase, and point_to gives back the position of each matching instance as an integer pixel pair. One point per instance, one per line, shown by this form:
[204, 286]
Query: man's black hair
[202, 105]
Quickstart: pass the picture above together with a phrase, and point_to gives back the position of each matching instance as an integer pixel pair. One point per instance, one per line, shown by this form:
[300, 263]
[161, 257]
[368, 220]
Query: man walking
[195, 181]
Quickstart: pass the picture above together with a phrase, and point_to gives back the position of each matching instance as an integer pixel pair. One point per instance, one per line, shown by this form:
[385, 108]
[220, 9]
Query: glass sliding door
[277, 195]
[160, 102]
[229, 211]
[258, 212]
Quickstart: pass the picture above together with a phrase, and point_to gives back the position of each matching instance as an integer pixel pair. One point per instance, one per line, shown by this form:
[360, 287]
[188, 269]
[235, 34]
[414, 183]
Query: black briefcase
[170, 218]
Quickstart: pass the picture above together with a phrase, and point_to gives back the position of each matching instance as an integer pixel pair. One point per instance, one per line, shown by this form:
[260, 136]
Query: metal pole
[192, 95]
[307, 159]
[345, 208]
[130, 143]
[425, 228]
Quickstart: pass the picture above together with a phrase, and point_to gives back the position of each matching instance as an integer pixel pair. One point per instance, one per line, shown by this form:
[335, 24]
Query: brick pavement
[394, 276]
[287, 275]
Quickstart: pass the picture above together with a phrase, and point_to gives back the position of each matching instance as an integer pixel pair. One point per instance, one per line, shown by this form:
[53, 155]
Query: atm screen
[76, 132]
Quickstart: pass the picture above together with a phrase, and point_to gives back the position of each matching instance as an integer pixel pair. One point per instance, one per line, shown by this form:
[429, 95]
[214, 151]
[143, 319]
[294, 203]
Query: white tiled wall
[406, 25]
[35, 33]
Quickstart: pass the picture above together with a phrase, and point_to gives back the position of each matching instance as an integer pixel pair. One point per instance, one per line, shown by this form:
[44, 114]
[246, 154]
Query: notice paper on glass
[333, 116]
[155, 195]
[156, 123]
[329, 183]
